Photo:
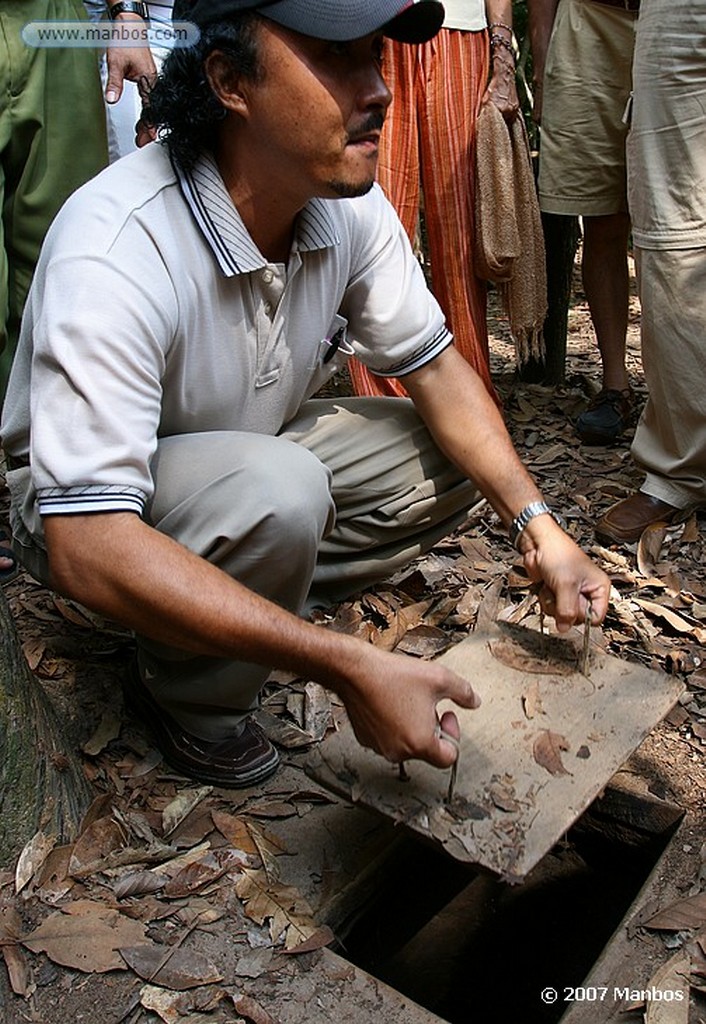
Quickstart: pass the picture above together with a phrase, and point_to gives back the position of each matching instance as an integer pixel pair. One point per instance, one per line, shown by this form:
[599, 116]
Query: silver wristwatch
[535, 508]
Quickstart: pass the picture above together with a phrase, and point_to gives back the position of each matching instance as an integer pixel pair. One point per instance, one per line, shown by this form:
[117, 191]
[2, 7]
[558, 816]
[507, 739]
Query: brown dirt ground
[80, 660]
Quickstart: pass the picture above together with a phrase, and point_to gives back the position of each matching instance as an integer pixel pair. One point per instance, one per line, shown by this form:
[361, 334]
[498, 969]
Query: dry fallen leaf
[252, 1010]
[649, 548]
[102, 838]
[322, 937]
[282, 905]
[18, 971]
[33, 651]
[108, 729]
[424, 641]
[516, 657]
[32, 858]
[682, 915]
[236, 830]
[86, 936]
[672, 977]
[199, 874]
[178, 969]
[547, 752]
[677, 622]
[179, 1007]
[137, 883]
[531, 701]
[182, 805]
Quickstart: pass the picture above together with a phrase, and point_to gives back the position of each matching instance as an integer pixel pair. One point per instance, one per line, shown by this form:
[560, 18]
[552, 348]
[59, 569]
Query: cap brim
[417, 24]
[408, 21]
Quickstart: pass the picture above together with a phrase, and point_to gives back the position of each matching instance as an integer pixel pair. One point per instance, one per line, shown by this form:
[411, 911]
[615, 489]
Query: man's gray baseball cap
[408, 21]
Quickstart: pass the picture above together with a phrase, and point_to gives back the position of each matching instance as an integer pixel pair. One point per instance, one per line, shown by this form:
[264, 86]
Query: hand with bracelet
[502, 89]
[573, 587]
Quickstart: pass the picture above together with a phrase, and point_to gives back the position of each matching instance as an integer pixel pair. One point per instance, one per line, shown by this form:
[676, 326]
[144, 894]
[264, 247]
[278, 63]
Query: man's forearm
[120, 566]
[466, 424]
[133, 574]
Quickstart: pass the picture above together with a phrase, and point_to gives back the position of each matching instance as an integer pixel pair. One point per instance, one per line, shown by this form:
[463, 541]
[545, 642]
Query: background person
[428, 146]
[667, 184]
[582, 66]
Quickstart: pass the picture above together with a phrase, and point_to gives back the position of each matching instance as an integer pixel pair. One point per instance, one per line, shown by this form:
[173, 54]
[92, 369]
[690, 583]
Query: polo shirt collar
[222, 227]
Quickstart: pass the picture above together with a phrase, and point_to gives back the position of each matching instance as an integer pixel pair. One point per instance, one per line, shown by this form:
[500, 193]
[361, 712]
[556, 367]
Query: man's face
[316, 112]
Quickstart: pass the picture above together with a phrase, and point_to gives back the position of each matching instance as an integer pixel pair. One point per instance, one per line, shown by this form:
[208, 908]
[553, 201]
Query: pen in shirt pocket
[336, 342]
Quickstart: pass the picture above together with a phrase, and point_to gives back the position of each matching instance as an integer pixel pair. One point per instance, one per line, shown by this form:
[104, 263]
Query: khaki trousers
[350, 491]
[667, 189]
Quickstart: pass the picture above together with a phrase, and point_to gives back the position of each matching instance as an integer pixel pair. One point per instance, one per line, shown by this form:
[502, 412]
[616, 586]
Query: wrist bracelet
[129, 7]
[529, 512]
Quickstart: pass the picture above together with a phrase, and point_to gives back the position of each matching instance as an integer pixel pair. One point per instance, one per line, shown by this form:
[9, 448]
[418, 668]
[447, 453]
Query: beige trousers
[667, 190]
[349, 492]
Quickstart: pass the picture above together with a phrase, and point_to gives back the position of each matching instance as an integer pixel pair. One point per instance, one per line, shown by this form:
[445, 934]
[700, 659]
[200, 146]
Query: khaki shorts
[587, 86]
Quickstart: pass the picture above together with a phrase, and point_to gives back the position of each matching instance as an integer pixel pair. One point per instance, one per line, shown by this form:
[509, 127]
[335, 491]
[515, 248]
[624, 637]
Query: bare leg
[605, 279]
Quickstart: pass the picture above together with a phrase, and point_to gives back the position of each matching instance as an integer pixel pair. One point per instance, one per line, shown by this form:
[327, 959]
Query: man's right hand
[392, 706]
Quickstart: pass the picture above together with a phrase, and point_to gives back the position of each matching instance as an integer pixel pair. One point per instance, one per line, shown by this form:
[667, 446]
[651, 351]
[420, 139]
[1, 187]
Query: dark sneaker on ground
[607, 417]
[241, 760]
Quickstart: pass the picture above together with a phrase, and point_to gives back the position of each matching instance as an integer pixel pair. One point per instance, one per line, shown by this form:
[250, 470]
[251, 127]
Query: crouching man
[168, 466]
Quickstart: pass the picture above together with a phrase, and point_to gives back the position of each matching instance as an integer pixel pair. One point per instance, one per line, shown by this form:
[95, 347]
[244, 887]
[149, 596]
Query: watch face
[129, 7]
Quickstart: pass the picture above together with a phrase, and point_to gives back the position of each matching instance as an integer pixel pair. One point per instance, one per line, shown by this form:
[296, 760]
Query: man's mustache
[373, 123]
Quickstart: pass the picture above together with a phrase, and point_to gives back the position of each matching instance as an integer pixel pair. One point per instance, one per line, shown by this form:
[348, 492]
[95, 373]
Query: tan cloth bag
[509, 238]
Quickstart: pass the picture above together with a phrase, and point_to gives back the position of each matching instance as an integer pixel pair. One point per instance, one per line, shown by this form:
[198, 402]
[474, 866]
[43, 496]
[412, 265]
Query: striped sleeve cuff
[83, 500]
[422, 355]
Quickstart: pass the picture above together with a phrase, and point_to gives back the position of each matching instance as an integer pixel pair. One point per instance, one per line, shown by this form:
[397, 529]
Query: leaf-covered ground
[176, 902]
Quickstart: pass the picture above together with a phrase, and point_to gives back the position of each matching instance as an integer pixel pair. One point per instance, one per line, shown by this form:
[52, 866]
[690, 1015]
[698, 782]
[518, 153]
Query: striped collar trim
[223, 229]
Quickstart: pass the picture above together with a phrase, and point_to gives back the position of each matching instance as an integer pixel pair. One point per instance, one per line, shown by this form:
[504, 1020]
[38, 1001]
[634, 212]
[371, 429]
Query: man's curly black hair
[181, 104]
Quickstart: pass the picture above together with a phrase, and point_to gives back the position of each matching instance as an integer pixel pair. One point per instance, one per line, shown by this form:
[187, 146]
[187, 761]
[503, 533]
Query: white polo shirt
[153, 313]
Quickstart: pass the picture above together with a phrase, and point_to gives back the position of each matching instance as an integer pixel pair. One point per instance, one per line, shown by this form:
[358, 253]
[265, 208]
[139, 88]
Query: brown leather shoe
[626, 521]
[241, 760]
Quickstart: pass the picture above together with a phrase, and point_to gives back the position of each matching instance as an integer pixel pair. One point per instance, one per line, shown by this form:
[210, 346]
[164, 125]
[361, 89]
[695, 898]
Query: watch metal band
[129, 7]
[535, 508]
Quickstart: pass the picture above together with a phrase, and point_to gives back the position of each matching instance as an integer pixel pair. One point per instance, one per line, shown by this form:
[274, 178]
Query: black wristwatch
[129, 7]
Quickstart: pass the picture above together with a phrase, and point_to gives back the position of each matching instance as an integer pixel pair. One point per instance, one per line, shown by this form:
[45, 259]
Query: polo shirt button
[268, 308]
[268, 276]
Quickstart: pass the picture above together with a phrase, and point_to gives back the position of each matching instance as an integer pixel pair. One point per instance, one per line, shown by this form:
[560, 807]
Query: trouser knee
[255, 506]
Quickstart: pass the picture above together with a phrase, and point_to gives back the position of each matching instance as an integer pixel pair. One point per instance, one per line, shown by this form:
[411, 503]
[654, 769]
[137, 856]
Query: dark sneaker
[238, 761]
[8, 563]
[607, 417]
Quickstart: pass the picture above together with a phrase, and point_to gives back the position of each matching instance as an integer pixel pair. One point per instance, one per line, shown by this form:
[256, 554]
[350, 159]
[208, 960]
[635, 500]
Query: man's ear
[227, 84]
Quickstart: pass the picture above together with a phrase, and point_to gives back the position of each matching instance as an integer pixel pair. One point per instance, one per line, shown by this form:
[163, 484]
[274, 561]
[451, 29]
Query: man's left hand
[570, 579]
[502, 91]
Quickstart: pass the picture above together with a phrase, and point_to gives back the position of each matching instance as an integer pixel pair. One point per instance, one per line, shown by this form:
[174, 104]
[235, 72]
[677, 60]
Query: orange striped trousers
[428, 144]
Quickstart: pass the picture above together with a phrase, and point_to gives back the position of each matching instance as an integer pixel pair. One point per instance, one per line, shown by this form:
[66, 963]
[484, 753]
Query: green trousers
[52, 139]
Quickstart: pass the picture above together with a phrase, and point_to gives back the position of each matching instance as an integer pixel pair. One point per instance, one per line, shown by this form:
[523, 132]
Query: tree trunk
[42, 785]
[561, 236]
